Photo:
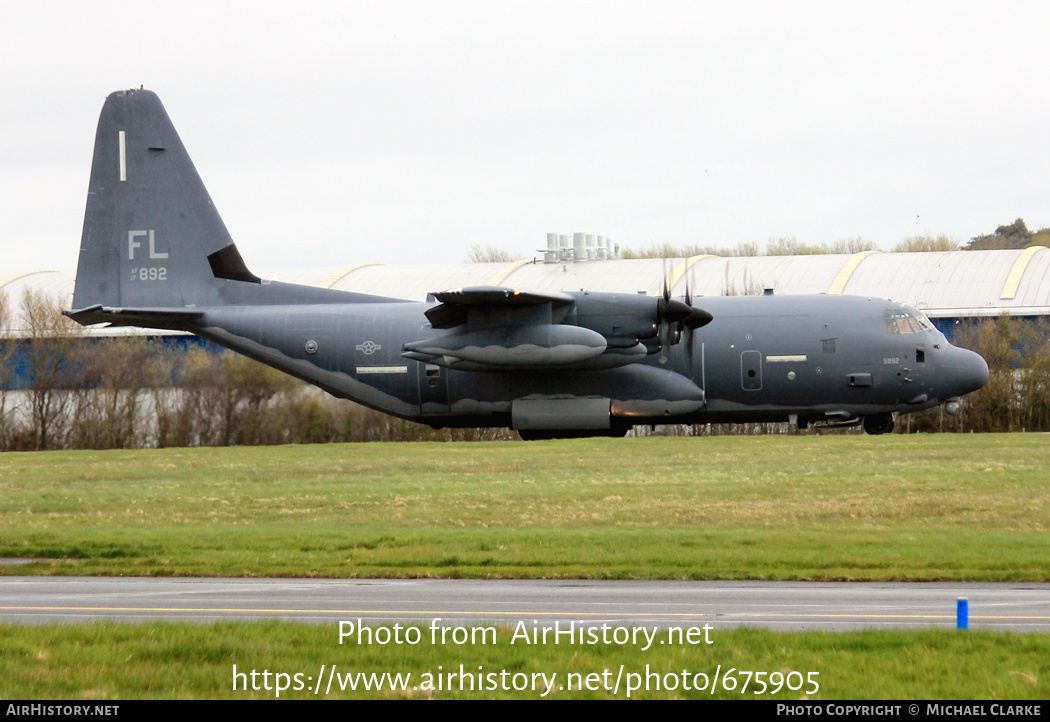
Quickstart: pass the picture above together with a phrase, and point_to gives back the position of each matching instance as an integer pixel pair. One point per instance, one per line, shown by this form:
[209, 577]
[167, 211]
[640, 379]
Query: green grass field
[806, 507]
[947, 507]
[172, 661]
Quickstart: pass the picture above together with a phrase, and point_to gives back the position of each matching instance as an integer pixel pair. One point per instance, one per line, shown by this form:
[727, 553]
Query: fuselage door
[433, 383]
[751, 370]
[913, 379]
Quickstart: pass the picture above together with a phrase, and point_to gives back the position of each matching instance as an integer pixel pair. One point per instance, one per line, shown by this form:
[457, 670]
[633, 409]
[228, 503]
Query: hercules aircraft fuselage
[806, 359]
[156, 254]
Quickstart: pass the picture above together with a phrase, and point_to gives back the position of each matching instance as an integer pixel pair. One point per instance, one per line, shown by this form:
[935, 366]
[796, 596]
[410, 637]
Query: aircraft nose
[965, 371]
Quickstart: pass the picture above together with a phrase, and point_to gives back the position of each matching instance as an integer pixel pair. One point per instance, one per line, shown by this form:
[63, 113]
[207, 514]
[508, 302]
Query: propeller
[683, 329]
[669, 314]
[697, 317]
[678, 317]
[688, 298]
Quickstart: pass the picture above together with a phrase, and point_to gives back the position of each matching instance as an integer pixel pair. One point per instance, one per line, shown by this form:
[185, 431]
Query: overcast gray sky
[330, 133]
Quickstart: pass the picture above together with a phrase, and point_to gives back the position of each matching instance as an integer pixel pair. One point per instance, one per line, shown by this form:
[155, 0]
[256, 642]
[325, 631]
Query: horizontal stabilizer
[166, 318]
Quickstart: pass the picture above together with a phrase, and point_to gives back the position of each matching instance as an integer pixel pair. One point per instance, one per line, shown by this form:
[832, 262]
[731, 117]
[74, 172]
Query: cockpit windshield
[903, 320]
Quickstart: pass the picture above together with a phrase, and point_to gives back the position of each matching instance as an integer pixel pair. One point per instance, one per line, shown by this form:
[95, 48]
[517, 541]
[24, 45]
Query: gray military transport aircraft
[156, 254]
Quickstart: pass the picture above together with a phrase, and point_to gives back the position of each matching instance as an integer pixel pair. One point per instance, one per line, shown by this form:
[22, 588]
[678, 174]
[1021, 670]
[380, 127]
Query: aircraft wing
[503, 329]
[454, 305]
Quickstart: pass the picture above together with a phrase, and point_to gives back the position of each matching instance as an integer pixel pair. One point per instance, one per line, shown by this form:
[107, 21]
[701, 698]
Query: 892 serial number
[149, 274]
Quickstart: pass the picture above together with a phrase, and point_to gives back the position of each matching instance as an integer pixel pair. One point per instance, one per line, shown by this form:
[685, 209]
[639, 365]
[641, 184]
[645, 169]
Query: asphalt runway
[462, 602]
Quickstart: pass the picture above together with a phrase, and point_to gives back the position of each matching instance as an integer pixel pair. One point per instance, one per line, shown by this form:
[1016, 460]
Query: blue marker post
[962, 613]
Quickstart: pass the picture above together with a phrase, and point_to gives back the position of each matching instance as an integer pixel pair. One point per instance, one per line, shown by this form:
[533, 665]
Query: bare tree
[791, 246]
[258, 403]
[7, 371]
[187, 413]
[1017, 395]
[926, 243]
[490, 254]
[666, 250]
[51, 365]
[112, 401]
[786, 246]
[853, 245]
[1033, 378]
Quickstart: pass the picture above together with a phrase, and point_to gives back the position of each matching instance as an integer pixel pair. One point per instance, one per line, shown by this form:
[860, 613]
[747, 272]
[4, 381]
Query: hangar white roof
[945, 284]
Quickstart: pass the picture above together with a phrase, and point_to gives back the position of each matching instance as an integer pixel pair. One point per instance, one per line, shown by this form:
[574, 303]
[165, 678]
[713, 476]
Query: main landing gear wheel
[878, 424]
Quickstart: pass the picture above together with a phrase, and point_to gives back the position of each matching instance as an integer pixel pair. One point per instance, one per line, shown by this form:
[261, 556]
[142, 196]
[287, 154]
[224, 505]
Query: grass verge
[946, 507]
[109, 661]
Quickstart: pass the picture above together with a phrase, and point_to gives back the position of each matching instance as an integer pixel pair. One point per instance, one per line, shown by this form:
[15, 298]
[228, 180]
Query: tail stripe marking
[123, 156]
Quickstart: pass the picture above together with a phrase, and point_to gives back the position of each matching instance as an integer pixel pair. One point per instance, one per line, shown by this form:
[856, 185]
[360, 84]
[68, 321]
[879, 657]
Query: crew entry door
[751, 370]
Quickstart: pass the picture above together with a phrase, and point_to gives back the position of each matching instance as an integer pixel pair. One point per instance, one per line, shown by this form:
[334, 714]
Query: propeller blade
[667, 287]
[682, 326]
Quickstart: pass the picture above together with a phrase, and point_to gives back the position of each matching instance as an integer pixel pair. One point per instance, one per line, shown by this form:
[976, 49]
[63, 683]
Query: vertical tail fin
[152, 236]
